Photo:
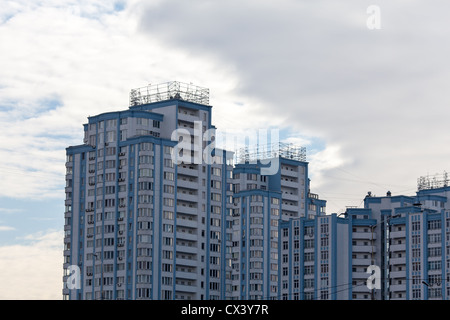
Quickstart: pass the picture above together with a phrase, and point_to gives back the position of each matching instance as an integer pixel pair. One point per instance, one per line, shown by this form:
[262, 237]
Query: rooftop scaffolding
[167, 91]
[279, 149]
[432, 181]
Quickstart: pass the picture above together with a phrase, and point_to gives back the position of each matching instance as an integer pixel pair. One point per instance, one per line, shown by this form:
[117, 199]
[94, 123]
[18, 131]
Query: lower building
[395, 248]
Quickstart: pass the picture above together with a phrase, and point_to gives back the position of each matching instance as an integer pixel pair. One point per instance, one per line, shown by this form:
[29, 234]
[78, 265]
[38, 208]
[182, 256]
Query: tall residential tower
[138, 224]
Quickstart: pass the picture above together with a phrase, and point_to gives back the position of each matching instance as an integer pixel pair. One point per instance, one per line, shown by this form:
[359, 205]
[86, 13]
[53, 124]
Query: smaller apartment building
[407, 238]
[326, 257]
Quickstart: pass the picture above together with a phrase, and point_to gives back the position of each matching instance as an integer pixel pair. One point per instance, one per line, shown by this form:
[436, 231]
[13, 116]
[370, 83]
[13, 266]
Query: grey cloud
[379, 94]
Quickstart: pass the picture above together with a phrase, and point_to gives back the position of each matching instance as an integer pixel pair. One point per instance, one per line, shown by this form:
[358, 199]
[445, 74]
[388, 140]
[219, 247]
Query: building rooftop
[274, 150]
[433, 181]
[167, 91]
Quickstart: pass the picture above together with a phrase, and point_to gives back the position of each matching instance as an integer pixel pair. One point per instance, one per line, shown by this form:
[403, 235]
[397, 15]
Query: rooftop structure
[432, 181]
[278, 149]
[167, 91]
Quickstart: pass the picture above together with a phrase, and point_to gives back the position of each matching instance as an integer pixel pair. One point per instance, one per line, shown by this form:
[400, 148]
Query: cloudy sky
[370, 105]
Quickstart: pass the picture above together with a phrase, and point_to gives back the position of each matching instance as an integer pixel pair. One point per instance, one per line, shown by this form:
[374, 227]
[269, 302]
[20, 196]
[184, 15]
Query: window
[434, 252]
[434, 224]
[145, 173]
[168, 215]
[145, 198]
[216, 171]
[434, 265]
[146, 146]
[216, 196]
[168, 202]
[110, 164]
[110, 136]
[168, 163]
[145, 185]
[167, 150]
[142, 121]
[215, 184]
[434, 237]
[145, 159]
[324, 228]
[111, 123]
[169, 176]
[169, 189]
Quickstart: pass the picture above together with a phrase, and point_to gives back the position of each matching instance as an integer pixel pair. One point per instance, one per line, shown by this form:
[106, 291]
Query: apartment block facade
[260, 204]
[415, 244]
[138, 224]
[151, 212]
[407, 238]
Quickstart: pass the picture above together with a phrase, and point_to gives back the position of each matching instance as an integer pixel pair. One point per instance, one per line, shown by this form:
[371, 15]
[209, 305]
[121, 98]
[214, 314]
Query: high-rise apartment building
[260, 204]
[138, 224]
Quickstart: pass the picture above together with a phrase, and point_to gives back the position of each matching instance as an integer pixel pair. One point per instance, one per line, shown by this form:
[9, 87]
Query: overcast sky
[370, 105]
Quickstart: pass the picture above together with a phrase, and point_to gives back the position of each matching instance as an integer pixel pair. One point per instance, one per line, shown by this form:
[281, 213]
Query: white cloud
[6, 228]
[33, 270]
[70, 60]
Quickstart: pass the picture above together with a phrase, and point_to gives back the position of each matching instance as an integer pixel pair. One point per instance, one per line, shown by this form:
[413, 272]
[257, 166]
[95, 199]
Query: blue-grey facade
[138, 225]
[406, 237]
[261, 204]
[148, 219]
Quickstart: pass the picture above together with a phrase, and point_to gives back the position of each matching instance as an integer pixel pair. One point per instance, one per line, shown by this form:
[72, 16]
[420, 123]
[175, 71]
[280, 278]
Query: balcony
[397, 247]
[186, 288]
[186, 208]
[184, 235]
[185, 262]
[397, 261]
[185, 182]
[397, 234]
[184, 221]
[364, 235]
[397, 287]
[362, 262]
[288, 173]
[290, 207]
[185, 195]
[187, 247]
[189, 170]
[186, 275]
[397, 274]
[360, 275]
[363, 249]
[290, 197]
[361, 288]
[289, 183]
[188, 115]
